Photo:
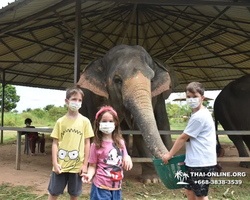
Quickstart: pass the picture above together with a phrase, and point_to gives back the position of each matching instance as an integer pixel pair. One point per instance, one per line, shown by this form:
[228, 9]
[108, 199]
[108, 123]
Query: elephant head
[129, 78]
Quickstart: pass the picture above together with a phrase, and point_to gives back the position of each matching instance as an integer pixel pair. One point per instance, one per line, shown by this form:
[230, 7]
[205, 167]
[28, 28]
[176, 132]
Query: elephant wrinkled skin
[128, 79]
[231, 109]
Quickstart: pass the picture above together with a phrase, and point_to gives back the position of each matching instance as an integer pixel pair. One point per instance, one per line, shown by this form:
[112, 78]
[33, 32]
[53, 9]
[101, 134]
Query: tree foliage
[182, 109]
[57, 112]
[10, 97]
[48, 107]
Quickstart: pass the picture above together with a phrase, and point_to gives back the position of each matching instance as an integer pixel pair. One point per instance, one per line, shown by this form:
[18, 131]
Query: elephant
[136, 86]
[232, 111]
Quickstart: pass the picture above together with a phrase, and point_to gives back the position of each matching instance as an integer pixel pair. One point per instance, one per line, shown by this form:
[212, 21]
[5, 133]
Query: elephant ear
[93, 78]
[161, 81]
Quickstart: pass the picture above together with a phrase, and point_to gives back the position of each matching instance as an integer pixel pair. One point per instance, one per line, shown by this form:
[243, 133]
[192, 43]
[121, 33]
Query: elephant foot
[245, 164]
[149, 175]
[150, 178]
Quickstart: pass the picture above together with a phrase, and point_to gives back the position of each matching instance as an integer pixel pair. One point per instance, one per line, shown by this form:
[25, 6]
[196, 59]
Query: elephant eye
[117, 80]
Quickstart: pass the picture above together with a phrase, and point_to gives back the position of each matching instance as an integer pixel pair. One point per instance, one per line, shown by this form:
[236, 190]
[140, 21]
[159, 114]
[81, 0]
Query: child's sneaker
[32, 154]
[44, 154]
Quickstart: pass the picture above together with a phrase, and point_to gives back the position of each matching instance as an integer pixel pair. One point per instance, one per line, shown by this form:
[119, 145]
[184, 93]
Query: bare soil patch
[35, 170]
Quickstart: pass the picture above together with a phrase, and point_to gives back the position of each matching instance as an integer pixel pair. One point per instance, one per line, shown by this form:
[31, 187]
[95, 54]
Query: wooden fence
[19, 131]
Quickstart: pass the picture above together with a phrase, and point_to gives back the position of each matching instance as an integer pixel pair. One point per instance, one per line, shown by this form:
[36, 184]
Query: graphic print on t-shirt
[114, 160]
[68, 154]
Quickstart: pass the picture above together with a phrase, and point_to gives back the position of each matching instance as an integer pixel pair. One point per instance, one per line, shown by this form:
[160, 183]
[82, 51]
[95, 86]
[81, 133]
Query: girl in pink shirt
[108, 155]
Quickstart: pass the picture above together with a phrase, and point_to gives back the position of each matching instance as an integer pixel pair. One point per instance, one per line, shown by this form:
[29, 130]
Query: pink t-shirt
[109, 164]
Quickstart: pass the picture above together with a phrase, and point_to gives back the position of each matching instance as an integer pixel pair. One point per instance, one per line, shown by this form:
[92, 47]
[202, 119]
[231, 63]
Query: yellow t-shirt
[71, 134]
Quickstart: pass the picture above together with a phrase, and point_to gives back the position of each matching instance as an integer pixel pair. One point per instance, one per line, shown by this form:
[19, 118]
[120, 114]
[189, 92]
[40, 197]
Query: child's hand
[127, 163]
[166, 157]
[86, 178]
[83, 169]
[57, 168]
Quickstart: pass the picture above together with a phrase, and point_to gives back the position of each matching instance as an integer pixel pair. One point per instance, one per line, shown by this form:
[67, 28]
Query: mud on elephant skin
[231, 109]
[128, 79]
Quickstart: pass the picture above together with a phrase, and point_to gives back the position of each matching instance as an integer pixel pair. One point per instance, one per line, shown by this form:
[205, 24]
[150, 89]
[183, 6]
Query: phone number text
[219, 182]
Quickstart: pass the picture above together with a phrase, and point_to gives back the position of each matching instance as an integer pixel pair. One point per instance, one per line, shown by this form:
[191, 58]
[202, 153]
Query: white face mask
[107, 127]
[193, 102]
[74, 106]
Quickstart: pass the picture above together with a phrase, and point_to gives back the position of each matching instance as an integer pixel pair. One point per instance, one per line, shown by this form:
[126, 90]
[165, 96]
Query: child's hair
[116, 135]
[195, 87]
[73, 90]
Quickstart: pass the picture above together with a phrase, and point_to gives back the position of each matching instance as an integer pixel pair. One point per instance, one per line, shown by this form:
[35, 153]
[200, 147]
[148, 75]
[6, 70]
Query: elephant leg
[149, 173]
[246, 139]
[124, 126]
[239, 144]
[162, 120]
[127, 142]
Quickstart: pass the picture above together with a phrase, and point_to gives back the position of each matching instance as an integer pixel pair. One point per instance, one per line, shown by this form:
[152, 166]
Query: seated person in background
[33, 138]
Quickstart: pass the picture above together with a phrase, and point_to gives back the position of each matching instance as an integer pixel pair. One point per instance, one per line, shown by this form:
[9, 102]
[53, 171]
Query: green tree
[57, 112]
[10, 97]
[175, 110]
[28, 110]
[186, 110]
[48, 107]
[206, 104]
[168, 108]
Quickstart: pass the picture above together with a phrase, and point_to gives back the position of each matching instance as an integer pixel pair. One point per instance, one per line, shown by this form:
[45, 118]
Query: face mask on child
[193, 102]
[74, 106]
[107, 127]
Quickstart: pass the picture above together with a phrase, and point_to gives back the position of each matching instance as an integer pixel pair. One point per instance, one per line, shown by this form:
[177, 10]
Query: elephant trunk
[137, 98]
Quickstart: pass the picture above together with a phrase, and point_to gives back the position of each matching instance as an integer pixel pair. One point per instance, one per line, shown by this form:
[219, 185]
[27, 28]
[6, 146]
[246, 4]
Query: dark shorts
[58, 183]
[198, 180]
[102, 194]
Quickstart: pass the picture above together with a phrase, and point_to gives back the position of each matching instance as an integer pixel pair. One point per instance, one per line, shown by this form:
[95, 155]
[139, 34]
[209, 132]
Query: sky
[39, 98]
[31, 97]
[4, 3]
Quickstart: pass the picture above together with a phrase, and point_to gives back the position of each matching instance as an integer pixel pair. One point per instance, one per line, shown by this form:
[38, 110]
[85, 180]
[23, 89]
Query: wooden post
[18, 150]
[2, 105]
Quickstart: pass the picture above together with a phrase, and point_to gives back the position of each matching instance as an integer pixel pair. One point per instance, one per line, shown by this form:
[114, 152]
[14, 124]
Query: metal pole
[2, 105]
[77, 41]
[137, 24]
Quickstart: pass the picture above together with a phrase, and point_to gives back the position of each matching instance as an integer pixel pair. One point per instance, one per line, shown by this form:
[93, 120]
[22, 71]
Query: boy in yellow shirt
[70, 149]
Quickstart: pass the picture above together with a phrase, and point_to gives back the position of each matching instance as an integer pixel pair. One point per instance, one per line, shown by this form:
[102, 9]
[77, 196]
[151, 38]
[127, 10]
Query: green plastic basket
[173, 174]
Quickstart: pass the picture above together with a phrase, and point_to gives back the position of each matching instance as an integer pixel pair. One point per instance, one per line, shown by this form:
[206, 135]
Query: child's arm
[180, 141]
[86, 178]
[56, 166]
[127, 163]
[86, 156]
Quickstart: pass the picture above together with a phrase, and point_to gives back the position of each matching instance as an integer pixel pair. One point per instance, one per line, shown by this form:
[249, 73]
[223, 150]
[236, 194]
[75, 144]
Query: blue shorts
[58, 183]
[102, 194]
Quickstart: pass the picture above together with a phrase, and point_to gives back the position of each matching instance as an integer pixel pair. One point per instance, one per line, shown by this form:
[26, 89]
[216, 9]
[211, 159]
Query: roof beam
[35, 16]
[197, 34]
[129, 23]
[208, 67]
[185, 2]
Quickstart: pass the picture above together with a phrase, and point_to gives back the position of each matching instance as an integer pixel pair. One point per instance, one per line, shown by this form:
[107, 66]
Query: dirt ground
[35, 170]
